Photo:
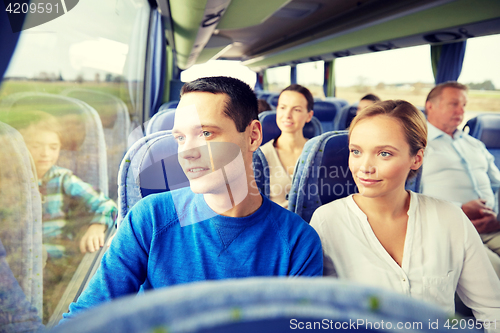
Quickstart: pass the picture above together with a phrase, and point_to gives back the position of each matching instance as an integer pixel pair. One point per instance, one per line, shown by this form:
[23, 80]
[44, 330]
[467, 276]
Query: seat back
[325, 111]
[264, 305]
[270, 129]
[83, 148]
[20, 216]
[151, 166]
[344, 117]
[115, 121]
[486, 127]
[168, 105]
[340, 101]
[162, 121]
[272, 99]
[322, 174]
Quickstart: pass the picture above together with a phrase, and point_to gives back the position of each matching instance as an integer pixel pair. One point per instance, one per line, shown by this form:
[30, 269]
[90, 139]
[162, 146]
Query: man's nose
[191, 149]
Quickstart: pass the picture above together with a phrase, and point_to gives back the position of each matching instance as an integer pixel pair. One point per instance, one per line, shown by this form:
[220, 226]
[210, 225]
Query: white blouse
[442, 253]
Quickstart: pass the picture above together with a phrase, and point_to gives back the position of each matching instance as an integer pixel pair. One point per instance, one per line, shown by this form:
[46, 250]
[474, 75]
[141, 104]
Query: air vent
[297, 10]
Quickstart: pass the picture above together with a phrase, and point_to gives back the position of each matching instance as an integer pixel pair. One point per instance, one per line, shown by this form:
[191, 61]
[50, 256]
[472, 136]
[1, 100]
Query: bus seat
[20, 217]
[168, 105]
[115, 121]
[486, 127]
[83, 148]
[262, 94]
[270, 129]
[340, 101]
[272, 99]
[264, 305]
[322, 174]
[344, 117]
[161, 121]
[325, 111]
[151, 166]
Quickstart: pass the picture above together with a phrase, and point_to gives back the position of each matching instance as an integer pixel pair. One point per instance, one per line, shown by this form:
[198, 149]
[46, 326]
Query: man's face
[364, 103]
[210, 147]
[446, 112]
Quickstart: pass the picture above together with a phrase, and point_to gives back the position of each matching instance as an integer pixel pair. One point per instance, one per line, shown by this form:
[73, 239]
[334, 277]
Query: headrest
[325, 111]
[488, 129]
[270, 129]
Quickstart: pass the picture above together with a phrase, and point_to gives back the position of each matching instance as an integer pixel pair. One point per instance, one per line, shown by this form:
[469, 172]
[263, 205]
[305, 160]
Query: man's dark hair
[371, 97]
[242, 104]
[304, 91]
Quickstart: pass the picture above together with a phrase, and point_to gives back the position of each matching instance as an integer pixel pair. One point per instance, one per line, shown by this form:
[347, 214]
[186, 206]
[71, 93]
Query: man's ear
[428, 107]
[255, 135]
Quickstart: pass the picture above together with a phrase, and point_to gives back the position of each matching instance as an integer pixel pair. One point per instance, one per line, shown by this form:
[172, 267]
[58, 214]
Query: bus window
[278, 78]
[84, 72]
[311, 76]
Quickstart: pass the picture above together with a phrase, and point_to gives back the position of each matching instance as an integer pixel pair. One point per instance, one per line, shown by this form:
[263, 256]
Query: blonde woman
[388, 237]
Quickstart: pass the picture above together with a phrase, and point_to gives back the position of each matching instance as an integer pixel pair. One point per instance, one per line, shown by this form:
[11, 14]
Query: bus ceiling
[269, 33]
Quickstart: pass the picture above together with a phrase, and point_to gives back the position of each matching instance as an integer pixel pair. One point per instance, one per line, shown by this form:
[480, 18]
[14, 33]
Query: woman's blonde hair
[411, 119]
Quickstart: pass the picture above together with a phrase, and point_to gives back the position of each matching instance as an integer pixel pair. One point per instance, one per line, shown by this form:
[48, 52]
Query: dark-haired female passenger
[388, 237]
[294, 110]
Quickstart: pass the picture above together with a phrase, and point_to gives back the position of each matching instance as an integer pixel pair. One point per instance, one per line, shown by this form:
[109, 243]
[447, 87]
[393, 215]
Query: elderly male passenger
[221, 226]
[458, 168]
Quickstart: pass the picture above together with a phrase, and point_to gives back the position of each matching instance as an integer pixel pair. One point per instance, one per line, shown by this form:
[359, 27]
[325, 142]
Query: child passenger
[388, 237]
[62, 191]
[294, 110]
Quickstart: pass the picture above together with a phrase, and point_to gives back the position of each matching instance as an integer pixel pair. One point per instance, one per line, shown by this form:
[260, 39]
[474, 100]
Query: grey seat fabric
[20, 219]
[115, 121]
[264, 305]
[83, 148]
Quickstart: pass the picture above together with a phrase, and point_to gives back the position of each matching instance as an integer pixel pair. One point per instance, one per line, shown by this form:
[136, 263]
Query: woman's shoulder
[337, 208]
[267, 147]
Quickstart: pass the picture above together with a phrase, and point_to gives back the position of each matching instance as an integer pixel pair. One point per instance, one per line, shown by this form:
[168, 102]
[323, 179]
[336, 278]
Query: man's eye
[206, 134]
[179, 138]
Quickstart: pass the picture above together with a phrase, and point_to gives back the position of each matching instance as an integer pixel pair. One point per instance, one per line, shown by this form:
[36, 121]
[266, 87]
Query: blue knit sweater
[152, 250]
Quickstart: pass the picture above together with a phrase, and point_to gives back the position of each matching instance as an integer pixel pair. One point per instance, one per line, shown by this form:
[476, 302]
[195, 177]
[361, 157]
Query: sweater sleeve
[306, 253]
[124, 265]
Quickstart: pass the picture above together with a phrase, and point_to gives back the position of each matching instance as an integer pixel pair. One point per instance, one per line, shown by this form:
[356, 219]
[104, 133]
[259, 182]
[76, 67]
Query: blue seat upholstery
[20, 224]
[168, 105]
[83, 148]
[272, 99]
[486, 127]
[344, 117]
[270, 129]
[162, 121]
[322, 174]
[264, 305]
[263, 95]
[115, 121]
[151, 166]
[325, 111]
[340, 101]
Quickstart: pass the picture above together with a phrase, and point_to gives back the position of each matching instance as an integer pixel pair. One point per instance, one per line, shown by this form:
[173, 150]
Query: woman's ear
[310, 115]
[418, 159]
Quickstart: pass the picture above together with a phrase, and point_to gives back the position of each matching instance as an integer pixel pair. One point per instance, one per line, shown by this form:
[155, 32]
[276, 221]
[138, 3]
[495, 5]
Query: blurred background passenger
[294, 110]
[367, 100]
[388, 237]
[263, 105]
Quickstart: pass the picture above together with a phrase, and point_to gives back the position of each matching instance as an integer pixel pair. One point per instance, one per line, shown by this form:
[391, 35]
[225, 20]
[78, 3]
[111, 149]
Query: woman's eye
[385, 154]
[355, 152]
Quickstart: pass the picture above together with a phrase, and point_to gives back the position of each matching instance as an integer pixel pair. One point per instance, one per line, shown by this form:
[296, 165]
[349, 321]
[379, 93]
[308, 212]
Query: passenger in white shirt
[388, 237]
[458, 167]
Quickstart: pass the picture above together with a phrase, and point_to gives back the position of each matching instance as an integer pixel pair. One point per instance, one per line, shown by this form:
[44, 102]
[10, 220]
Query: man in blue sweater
[221, 226]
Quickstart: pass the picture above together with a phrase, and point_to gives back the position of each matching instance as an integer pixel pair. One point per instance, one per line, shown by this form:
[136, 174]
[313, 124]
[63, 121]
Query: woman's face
[379, 156]
[291, 112]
